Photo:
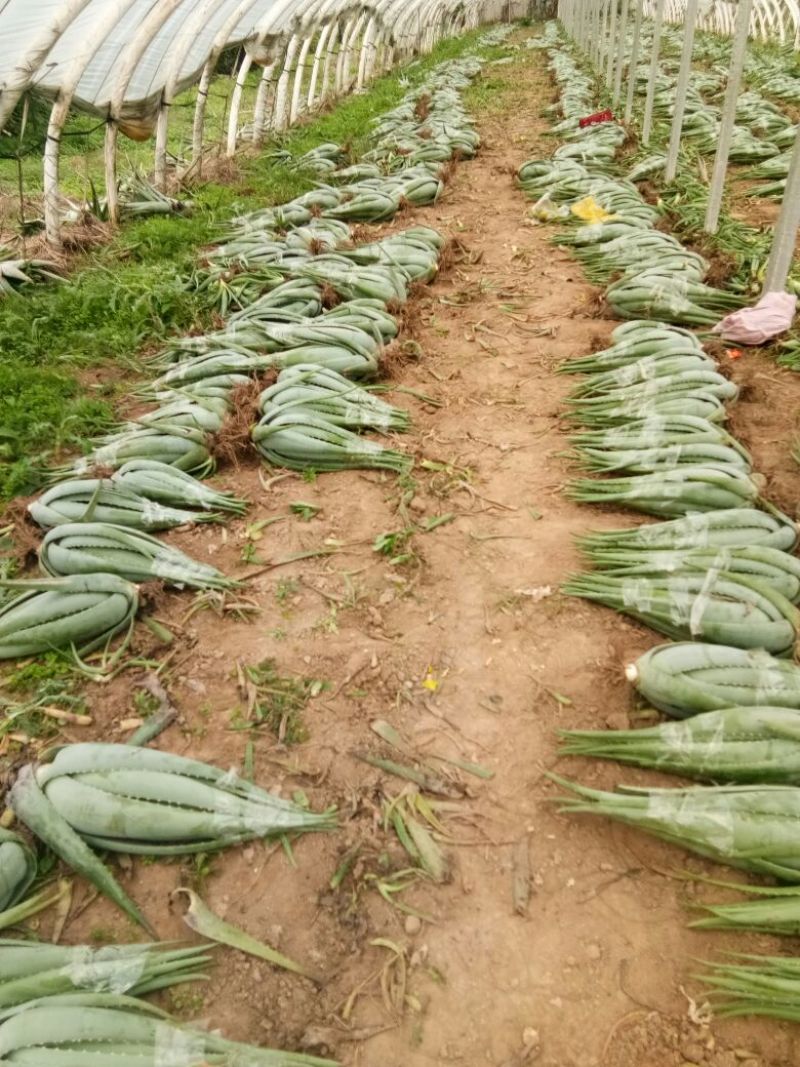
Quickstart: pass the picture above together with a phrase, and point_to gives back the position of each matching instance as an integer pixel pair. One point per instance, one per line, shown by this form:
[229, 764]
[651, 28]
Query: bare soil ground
[468, 649]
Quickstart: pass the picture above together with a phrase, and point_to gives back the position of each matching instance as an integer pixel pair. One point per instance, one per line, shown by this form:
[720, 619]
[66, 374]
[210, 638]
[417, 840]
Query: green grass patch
[49, 680]
[41, 410]
[131, 294]
[82, 140]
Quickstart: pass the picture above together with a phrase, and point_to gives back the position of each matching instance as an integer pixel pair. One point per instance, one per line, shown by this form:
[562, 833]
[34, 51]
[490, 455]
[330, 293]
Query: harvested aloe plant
[683, 679]
[79, 1028]
[747, 826]
[80, 612]
[17, 869]
[118, 798]
[754, 744]
[87, 547]
[715, 605]
[31, 971]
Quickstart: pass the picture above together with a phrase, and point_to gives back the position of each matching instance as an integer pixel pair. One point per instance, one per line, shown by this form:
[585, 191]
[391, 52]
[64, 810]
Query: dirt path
[469, 651]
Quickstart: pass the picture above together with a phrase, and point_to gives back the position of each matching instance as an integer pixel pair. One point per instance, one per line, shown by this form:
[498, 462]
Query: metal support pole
[783, 243]
[593, 30]
[602, 40]
[634, 61]
[681, 90]
[236, 103]
[200, 112]
[592, 25]
[260, 119]
[280, 110]
[612, 46]
[110, 161]
[294, 108]
[312, 85]
[622, 41]
[587, 25]
[647, 124]
[728, 116]
[581, 15]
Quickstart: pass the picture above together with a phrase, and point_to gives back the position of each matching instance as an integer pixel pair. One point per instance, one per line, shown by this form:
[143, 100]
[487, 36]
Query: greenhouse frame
[126, 60]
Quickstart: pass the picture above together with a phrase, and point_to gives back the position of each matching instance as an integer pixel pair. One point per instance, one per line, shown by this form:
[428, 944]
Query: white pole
[590, 12]
[199, 120]
[127, 63]
[312, 85]
[348, 61]
[611, 45]
[110, 163]
[647, 125]
[600, 37]
[178, 49]
[236, 103]
[280, 111]
[783, 243]
[70, 78]
[634, 62]
[300, 69]
[162, 132]
[344, 55]
[681, 90]
[728, 116]
[592, 27]
[328, 62]
[366, 50]
[374, 52]
[620, 59]
[220, 41]
[260, 120]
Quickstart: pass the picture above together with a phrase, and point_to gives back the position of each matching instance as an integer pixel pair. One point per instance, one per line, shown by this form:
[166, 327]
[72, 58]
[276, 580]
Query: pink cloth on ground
[772, 315]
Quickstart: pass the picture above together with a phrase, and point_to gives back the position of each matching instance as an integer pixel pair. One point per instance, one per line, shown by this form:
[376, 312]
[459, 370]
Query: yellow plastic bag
[590, 211]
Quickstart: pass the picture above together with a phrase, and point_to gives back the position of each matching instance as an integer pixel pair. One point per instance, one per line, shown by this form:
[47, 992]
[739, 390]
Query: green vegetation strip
[129, 295]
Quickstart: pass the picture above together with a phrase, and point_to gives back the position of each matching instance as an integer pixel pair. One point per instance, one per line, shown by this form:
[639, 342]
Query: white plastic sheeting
[170, 40]
[127, 60]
